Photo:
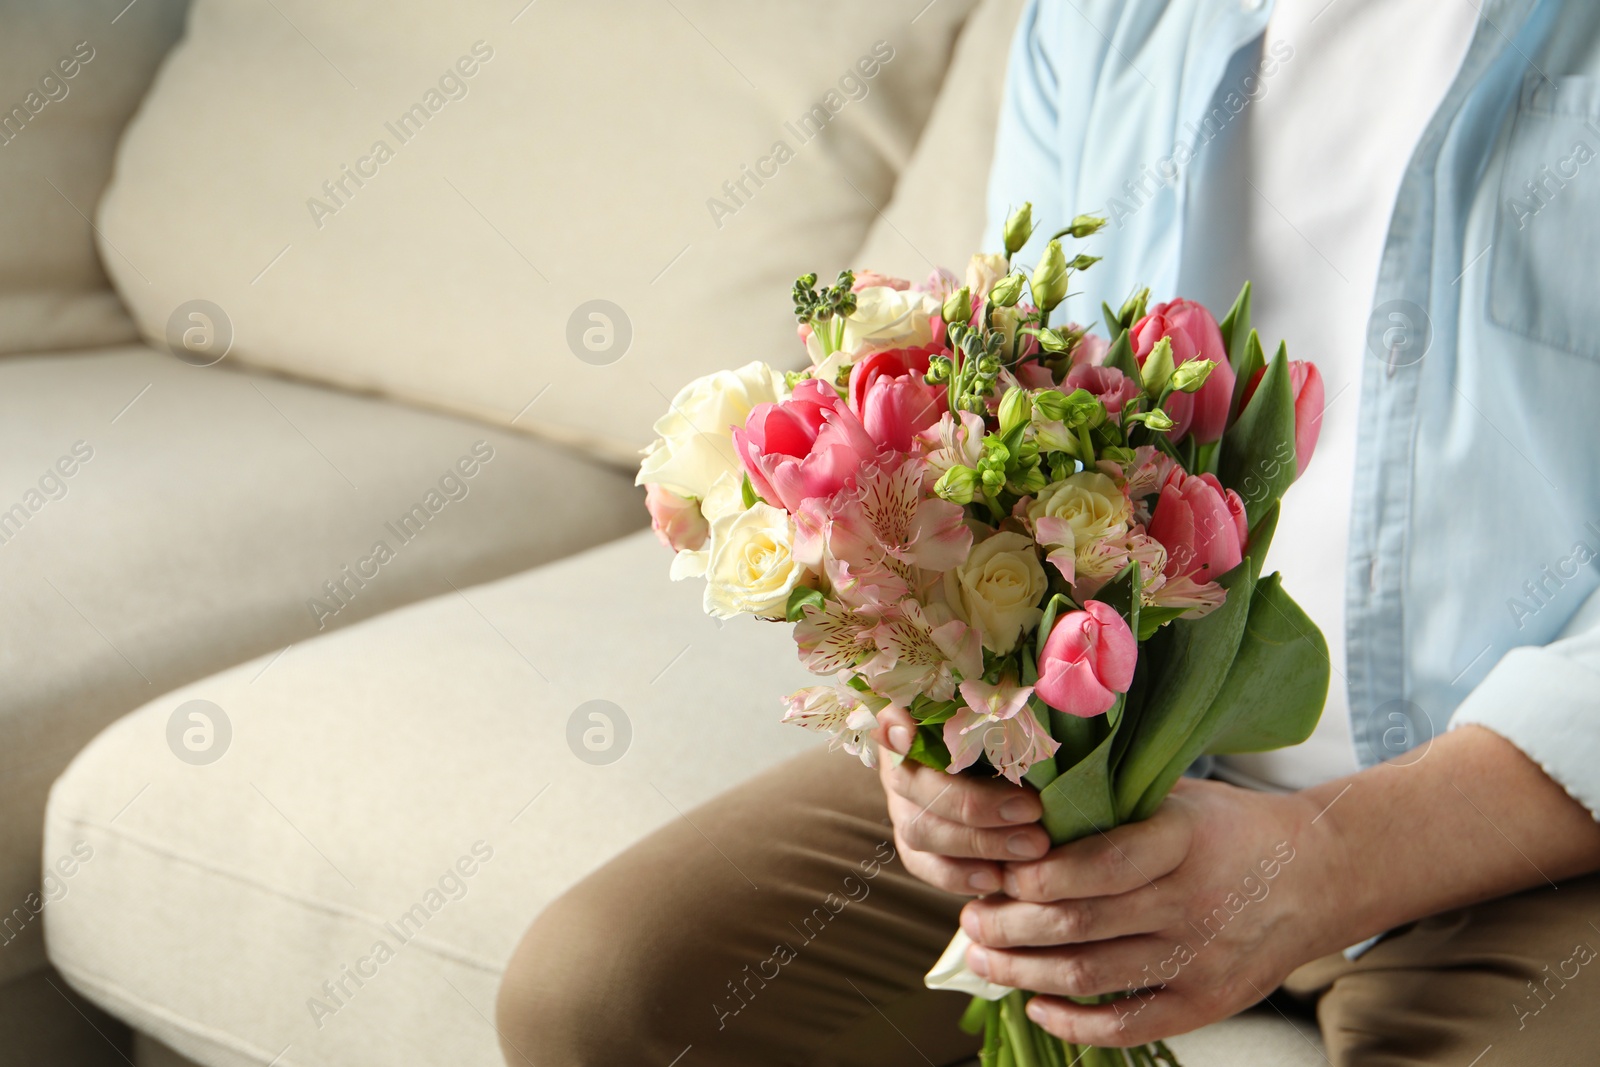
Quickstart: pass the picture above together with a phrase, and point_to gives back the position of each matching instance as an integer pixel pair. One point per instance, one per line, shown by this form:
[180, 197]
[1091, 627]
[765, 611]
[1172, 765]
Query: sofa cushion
[937, 216]
[70, 75]
[421, 781]
[159, 522]
[466, 204]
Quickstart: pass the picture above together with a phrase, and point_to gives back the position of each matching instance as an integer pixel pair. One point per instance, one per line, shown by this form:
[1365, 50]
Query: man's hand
[1204, 908]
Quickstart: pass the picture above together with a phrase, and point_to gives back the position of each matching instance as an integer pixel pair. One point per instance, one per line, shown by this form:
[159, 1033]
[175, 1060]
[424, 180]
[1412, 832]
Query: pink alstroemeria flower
[998, 724]
[921, 650]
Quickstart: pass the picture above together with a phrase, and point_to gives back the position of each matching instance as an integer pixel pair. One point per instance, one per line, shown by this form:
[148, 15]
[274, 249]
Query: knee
[548, 987]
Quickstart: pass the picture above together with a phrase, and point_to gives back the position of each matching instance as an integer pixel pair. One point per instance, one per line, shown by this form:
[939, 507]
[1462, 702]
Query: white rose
[694, 445]
[1088, 505]
[726, 497]
[884, 318]
[752, 567]
[998, 589]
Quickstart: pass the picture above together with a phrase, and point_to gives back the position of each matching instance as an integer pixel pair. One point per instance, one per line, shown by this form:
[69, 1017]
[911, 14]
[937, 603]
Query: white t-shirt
[1296, 196]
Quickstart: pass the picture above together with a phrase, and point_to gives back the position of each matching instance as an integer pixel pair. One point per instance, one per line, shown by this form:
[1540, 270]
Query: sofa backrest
[71, 73]
[550, 215]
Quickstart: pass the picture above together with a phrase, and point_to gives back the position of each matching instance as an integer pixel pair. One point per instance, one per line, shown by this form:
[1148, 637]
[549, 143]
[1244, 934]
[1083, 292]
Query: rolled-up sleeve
[1545, 699]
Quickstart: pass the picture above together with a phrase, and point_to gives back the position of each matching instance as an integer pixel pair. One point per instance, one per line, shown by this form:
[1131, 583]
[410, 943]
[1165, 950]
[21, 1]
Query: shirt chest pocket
[1545, 275]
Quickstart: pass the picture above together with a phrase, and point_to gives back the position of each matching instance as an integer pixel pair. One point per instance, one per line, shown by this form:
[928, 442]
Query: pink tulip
[676, 521]
[808, 446]
[1201, 525]
[1088, 659]
[1305, 382]
[1193, 334]
[889, 396]
[1108, 385]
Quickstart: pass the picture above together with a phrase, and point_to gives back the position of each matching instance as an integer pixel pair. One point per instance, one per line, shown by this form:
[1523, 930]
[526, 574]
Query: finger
[964, 798]
[1107, 864]
[926, 832]
[1074, 971]
[1000, 922]
[895, 729]
[963, 877]
[1149, 1015]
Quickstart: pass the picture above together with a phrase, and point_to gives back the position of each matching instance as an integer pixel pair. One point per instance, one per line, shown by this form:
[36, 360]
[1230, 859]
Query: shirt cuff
[1549, 707]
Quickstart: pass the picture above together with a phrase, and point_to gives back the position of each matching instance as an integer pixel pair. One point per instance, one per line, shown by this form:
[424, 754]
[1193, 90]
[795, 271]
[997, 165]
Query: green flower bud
[1192, 375]
[1051, 340]
[1157, 368]
[1019, 227]
[1158, 420]
[993, 481]
[957, 485]
[1007, 291]
[1133, 309]
[1015, 410]
[1083, 226]
[939, 368]
[1029, 481]
[1049, 282]
[957, 306]
[1050, 404]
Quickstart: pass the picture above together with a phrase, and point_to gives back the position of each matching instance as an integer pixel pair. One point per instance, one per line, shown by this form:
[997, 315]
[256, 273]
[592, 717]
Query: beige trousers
[775, 926]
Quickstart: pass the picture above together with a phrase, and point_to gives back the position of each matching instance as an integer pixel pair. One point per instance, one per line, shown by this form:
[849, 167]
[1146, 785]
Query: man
[1409, 185]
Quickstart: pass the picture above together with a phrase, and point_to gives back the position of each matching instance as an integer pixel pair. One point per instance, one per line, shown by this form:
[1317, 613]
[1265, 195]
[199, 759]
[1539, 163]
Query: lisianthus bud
[1007, 291]
[1190, 376]
[1015, 410]
[1082, 226]
[957, 485]
[1133, 308]
[1019, 227]
[957, 306]
[1049, 282]
[1157, 369]
[1052, 340]
[1158, 420]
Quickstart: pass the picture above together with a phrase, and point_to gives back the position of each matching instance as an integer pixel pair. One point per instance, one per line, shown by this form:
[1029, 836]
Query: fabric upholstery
[425, 199]
[210, 510]
[70, 76]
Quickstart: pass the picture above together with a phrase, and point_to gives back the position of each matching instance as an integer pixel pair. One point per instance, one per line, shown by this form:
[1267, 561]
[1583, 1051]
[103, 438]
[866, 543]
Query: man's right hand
[954, 830]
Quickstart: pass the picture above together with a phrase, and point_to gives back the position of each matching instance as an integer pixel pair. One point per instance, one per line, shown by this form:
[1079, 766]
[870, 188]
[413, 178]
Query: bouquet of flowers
[1044, 544]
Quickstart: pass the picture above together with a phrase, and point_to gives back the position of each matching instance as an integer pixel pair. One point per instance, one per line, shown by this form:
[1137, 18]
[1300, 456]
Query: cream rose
[998, 589]
[725, 498]
[984, 271]
[752, 567]
[694, 444]
[884, 318]
[1080, 510]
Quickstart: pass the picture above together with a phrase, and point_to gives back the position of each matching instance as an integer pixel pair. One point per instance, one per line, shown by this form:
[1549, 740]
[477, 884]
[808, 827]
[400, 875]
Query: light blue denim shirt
[1472, 576]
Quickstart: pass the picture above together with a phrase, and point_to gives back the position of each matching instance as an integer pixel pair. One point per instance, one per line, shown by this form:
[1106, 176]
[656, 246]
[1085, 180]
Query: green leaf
[799, 597]
[1113, 323]
[748, 492]
[928, 747]
[1245, 364]
[1079, 801]
[1258, 450]
[1194, 664]
[1120, 356]
[1278, 685]
[1152, 619]
[1235, 328]
[933, 712]
[1261, 539]
[1273, 694]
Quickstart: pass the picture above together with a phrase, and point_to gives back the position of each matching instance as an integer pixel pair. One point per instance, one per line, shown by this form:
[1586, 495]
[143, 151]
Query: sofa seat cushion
[159, 522]
[399, 800]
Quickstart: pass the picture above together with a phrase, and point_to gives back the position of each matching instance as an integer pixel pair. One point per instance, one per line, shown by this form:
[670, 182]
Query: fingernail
[984, 882]
[900, 739]
[1017, 809]
[1022, 845]
[978, 961]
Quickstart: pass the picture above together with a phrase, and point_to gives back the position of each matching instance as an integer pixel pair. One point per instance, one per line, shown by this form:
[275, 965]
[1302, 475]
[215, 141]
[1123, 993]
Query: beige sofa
[330, 616]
